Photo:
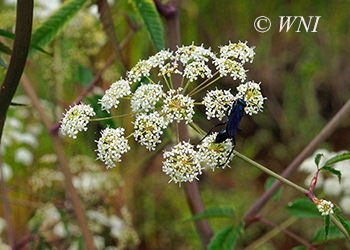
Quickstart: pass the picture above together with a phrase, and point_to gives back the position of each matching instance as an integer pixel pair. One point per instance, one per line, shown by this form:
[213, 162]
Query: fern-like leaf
[47, 31]
[151, 19]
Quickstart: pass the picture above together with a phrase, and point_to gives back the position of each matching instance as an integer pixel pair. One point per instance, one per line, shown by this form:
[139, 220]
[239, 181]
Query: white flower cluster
[146, 97]
[160, 60]
[156, 105]
[330, 184]
[51, 222]
[111, 145]
[195, 69]
[76, 119]
[239, 51]
[227, 62]
[325, 207]
[181, 163]
[178, 107]
[141, 69]
[188, 54]
[148, 129]
[214, 154]
[116, 91]
[228, 66]
[217, 103]
[250, 93]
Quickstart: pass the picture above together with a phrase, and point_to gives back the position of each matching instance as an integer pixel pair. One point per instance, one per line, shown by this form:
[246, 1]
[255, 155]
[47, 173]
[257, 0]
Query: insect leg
[216, 125]
[229, 155]
[228, 109]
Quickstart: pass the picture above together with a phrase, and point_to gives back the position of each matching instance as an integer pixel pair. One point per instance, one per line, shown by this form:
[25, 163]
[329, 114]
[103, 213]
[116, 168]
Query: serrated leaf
[334, 234]
[327, 222]
[332, 171]
[317, 159]
[343, 222]
[46, 32]
[338, 158]
[226, 238]
[304, 208]
[268, 184]
[216, 212]
[151, 19]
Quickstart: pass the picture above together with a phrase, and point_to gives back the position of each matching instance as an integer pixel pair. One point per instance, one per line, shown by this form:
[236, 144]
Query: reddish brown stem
[24, 19]
[57, 144]
[171, 13]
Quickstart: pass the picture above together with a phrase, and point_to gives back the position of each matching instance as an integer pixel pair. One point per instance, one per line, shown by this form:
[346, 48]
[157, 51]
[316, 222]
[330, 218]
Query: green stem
[289, 183]
[110, 117]
[308, 150]
[150, 80]
[166, 81]
[196, 90]
[271, 173]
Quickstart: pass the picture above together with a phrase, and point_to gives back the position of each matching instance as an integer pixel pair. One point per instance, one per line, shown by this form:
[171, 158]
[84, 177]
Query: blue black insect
[234, 115]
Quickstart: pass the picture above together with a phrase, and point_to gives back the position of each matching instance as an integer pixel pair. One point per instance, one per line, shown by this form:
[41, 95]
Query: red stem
[171, 12]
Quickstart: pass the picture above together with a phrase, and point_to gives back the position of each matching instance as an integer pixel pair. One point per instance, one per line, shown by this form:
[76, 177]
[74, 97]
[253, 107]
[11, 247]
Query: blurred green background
[304, 75]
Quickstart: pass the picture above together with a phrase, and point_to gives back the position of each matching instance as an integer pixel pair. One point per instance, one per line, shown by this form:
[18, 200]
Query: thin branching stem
[308, 150]
[200, 86]
[166, 81]
[271, 173]
[287, 182]
[172, 24]
[57, 144]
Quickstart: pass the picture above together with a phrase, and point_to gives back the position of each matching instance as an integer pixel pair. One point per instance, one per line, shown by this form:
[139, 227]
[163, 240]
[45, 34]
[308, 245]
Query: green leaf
[19, 104]
[7, 34]
[318, 158]
[47, 31]
[268, 184]
[332, 171]
[343, 222]
[299, 248]
[2, 63]
[338, 158]
[216, 212]
[327, 222]
[336, 210]
[226, 238]
[149, 14]
[304, 208]
[334, 234]
[84, 76]
[5, 49]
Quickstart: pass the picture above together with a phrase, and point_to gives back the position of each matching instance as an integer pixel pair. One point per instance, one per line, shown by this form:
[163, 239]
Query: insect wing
[235, 118]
